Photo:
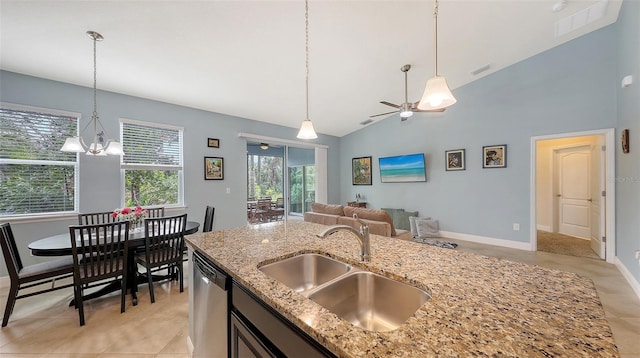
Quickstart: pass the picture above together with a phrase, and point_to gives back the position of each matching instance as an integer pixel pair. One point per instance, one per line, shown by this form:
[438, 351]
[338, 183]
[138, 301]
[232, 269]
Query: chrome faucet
[362, 235]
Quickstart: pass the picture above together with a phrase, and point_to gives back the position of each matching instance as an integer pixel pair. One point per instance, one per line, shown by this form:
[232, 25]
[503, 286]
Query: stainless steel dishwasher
[210, 309]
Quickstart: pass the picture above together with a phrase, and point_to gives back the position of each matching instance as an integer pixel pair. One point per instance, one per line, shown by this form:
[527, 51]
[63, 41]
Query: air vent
[581, 18]
[366, 121]
[481, 69]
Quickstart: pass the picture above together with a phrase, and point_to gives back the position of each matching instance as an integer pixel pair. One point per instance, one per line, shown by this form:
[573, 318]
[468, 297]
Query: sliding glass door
[302, 190]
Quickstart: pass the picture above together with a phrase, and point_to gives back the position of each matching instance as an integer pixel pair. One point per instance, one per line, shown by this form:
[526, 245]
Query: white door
[574, 191]
[598, 222]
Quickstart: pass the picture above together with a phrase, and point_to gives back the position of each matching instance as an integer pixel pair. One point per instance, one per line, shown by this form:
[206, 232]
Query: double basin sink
[365, 299]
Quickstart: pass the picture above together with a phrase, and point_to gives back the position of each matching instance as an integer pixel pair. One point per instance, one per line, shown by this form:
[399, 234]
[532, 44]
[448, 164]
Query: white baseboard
[546, 228]
[487, 240]
[190, 346]
[635, 285]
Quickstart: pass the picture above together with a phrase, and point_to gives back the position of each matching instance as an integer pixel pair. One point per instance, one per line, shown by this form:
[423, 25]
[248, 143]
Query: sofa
[379, 221]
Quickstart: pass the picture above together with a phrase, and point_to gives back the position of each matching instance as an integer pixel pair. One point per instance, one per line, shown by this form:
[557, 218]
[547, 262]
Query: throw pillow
[326, 208]
[395, 215]
[413, 226]
[401, 219]
[376, 215]
[427, 227]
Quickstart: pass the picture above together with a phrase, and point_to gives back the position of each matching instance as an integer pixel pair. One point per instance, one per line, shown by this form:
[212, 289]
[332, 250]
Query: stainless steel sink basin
[365, 299]
[370, 301]
[306, 271]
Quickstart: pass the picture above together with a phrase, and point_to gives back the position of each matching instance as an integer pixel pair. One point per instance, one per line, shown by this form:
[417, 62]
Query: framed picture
[494, 156]
[213, 168]
[361, 171]
[213, 143]
[403, 168]
[455, 159]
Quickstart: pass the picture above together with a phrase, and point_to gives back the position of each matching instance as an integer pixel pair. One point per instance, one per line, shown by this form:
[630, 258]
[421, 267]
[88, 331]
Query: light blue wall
[627, 165]
[566, 89]
[301, 156]
[100, 177]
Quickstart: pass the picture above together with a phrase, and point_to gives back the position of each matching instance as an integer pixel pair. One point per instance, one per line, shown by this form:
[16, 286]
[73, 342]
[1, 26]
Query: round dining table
[60, 245]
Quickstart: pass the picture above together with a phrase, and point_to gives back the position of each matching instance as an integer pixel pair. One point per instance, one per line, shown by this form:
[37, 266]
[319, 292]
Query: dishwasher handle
[209, 273]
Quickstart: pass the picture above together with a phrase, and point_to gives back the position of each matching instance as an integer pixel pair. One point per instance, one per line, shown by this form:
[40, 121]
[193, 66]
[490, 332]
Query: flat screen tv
[402, 168]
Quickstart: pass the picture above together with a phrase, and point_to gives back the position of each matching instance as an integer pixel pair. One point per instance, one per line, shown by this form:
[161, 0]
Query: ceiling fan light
[436, 95]
[264, 146]
[72, 144]
[306, 130]
[406, 114]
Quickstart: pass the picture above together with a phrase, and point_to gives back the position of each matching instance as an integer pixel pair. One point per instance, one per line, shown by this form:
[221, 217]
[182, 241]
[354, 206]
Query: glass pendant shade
[114, 148]
[307, 131]
[73, 145]
[436, 95]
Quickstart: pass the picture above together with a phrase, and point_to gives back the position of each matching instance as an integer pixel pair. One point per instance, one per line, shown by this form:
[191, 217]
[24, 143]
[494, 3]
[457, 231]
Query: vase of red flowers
[134, 215]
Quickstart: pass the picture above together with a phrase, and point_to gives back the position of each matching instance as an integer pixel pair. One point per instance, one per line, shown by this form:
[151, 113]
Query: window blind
[35, 176]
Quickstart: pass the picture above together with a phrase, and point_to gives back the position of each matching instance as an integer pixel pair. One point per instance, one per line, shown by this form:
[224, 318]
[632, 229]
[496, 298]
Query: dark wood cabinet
[244, 343]
[357, 204]
[263, 332]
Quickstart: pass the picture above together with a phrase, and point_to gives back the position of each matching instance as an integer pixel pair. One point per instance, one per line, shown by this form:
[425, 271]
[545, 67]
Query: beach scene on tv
[402, 168]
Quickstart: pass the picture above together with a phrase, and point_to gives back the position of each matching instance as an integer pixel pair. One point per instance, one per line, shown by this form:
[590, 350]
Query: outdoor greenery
[35, 176]
[150, 187]
[265, 176]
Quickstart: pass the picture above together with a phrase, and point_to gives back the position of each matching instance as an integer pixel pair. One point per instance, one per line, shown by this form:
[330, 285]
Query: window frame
[128, 166]
[75, 164]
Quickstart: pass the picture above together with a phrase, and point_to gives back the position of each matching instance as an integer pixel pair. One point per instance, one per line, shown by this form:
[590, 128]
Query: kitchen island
[479, 306]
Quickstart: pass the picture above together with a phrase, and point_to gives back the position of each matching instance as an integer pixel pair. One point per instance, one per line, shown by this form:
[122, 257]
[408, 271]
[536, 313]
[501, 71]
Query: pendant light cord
[306, 48]
[435, 21]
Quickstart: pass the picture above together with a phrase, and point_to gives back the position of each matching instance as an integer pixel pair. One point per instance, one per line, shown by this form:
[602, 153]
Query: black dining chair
[208, 219]
[24, 277]
[99, 252]
[156, 212]
[163, 247]
[95, 218]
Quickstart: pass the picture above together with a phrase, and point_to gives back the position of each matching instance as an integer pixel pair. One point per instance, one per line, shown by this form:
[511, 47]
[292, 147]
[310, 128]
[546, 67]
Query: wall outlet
[516, 227]
[228, 190]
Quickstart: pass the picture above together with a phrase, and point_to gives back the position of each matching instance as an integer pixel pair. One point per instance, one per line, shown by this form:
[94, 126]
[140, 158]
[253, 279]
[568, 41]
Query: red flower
[114, 215]
[126, 210]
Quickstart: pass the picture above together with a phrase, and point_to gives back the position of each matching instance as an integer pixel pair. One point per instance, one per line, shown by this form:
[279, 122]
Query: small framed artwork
[361, 171]
[213, 168]
[624, 139]
[213, 143]
[494, 156]
[455, 159]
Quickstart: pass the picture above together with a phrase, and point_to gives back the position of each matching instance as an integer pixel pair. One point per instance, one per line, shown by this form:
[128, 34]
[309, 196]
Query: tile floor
[44, 326]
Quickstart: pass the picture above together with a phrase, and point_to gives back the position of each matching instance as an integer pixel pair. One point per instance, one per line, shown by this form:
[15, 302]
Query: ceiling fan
[406, 109]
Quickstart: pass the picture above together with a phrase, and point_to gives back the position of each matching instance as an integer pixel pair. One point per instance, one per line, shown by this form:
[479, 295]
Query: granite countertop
[479, 306]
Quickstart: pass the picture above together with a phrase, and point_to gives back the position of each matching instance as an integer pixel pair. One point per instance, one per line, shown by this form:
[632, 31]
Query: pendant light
[98, 146]
[436, 93]
[306, 129]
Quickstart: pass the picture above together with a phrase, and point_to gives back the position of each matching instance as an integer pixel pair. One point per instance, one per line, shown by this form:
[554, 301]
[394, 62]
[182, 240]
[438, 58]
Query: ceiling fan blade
[382, 114]
[390, 104]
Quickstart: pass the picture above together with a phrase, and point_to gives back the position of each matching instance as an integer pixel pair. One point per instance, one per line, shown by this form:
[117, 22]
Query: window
[35, 176]
[264, 176]
[152, 163]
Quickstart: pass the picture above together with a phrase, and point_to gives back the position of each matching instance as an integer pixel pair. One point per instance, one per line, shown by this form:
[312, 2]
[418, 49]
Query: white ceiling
[247, 58]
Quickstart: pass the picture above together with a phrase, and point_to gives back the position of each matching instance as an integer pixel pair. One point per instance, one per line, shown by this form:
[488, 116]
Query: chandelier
[98, 145]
